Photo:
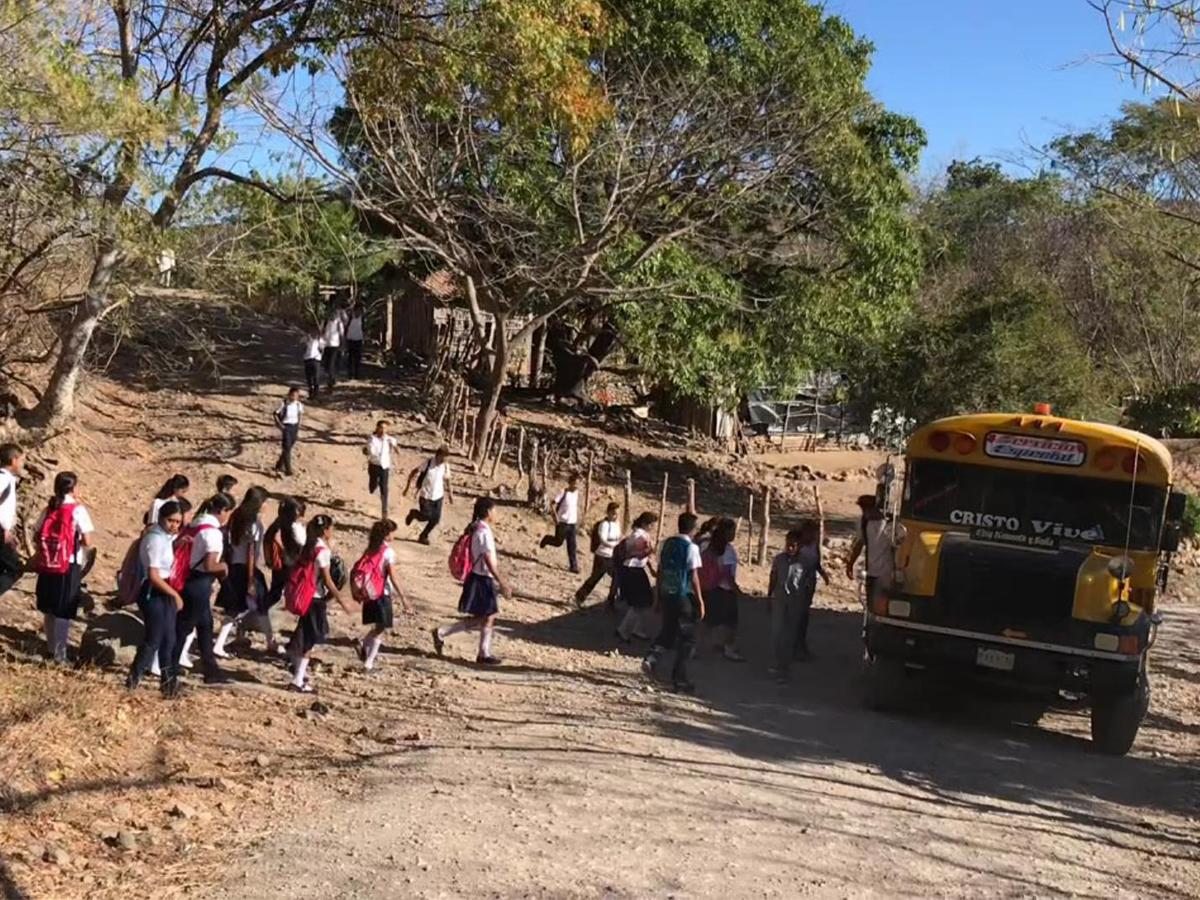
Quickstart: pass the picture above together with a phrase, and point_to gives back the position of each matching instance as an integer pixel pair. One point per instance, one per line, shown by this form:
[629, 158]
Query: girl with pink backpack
[478, 601]
[64, 536]
[373, 579]
[309, 587]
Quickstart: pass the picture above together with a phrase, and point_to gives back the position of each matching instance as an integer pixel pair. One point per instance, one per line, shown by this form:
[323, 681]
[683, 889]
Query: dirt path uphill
[562, 773]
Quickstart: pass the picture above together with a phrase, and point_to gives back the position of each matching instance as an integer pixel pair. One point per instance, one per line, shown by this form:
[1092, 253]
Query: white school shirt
[335, 328]
[639, 535]
[610, 535]
[8, 508]
[238, 554]
[566, 507]
[300, 533]
[379, 450]
[83, 524]
[324, 560]
[354, 329]
[389, 559]
[483, 542]
[313, 347]
[434, 486]
[728, 564]
[157, 551]
[210, 540]
[289, 412]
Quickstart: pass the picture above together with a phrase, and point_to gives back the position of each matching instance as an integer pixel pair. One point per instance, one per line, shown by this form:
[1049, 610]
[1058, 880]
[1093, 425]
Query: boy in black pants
[681, 602]
[566, 522]
[287, 417]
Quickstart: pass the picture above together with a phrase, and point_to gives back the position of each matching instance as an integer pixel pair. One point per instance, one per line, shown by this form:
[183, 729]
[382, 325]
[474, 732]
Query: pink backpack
[56, 541]
[367, 577]
[301, 585]
[460, 557]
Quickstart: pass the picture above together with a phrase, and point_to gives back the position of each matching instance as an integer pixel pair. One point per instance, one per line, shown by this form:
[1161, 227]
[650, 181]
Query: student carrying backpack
[309, 587]
[682, 602]
[199, 551]
[64, 534]
[372, 581]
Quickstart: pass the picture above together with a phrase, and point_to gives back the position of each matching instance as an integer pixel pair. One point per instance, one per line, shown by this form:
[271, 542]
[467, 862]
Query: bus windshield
[1033, 509]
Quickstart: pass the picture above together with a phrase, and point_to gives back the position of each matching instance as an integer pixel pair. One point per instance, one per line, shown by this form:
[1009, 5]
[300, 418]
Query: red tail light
[1131, 462]
[964, 444]
[1106, 459]
[939, 442]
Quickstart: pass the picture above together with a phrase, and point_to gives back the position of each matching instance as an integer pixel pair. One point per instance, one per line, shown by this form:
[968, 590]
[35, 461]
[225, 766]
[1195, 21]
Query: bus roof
[992, 447]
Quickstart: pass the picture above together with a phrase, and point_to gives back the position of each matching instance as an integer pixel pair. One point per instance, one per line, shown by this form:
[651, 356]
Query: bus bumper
[1029, 664]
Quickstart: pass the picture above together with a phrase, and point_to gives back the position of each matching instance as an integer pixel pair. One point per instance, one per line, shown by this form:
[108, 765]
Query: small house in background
[427, 317]
[699, 417]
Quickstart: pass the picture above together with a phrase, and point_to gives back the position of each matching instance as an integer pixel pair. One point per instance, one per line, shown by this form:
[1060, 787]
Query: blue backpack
[674, 576]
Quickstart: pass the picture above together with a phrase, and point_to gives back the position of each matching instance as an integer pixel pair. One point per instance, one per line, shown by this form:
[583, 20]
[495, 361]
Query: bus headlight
[1120, 567]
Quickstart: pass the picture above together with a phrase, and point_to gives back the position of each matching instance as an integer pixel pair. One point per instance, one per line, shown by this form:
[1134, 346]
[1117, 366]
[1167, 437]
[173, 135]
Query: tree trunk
[58, 402]
[495, 384]
[573, 368]
[537, 356]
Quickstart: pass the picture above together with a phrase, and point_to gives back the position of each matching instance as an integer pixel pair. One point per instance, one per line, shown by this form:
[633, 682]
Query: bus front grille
[989, 587]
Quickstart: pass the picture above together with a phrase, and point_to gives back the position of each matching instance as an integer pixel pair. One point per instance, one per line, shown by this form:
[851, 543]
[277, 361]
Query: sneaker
[732, 655]
[411, 515]
[423, 539]
[482, 660]
[185, 662]
[221, 653]
[648, 664]
[439, 643]
[574, 571]
[684, 687]
[305, 688]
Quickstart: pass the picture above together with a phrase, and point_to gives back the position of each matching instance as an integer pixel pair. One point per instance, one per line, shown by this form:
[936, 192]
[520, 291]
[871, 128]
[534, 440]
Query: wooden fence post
[662, 508]
[691, 496]
[587, 486]
[820, 515]
[535, 449]
[500, 450]
[765, 534]
[625, 517]
[520, 458]
[750, 528]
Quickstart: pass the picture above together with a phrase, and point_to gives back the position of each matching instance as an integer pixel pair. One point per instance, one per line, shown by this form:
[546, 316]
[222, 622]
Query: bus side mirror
[1176, 506]
[1170, 537]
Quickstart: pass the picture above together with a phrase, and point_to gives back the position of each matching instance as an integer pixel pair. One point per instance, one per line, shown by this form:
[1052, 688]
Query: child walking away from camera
[158, 602]
[307, 594]
[718, 579]
[793, 582]
[197, 571]
[287, 417]
[64, 534]
[282, 545]
[433, 487]
[12, 460]
[243, 592]
[334, 334]
[605, 536]
[566, 522]
[373, 579]
[174, 488]
[314, 349]
[354, 343]
[681, 600]
[634, 570]
[379, 463]
[478, 603]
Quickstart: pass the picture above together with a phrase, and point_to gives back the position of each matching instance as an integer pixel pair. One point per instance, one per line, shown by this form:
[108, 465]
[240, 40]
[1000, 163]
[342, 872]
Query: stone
[262, 760]
[321, 709]
[57, 856]
[126, 840]
[183, 811]
[122, 812]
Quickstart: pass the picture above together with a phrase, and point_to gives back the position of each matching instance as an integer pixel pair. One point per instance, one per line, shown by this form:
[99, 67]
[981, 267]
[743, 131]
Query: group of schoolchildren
[339, 340]
[693, 581]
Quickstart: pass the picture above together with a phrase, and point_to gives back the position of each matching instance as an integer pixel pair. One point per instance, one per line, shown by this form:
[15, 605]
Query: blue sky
[989, 78]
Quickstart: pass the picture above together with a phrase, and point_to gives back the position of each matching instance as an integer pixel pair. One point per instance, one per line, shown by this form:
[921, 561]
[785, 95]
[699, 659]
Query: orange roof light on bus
[1042, 409]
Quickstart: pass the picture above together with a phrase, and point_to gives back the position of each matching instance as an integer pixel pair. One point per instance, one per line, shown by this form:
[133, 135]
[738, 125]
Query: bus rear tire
[1116, 719]
[886, 685]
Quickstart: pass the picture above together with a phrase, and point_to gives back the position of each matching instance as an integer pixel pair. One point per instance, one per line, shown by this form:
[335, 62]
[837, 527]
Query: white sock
[187, 645]
[628, 623]
[485, 640]
[226, 631]
[301, 671]
[373, 645]
[457, 628]
[154, 669]
[62, 632]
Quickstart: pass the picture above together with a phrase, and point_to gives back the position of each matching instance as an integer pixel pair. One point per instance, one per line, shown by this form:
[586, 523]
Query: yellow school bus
[1031, 549]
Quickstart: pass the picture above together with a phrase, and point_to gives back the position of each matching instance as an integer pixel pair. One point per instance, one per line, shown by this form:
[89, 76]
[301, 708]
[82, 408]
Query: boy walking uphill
[12, 459]
[681, 600]
[566, 522]
[433, 487]
[287, 417]
[314, 349]
[334, 334]
[606, 534]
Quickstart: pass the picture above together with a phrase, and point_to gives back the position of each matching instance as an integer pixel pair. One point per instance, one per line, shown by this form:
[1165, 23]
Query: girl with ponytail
[64, 536]
[313, 627]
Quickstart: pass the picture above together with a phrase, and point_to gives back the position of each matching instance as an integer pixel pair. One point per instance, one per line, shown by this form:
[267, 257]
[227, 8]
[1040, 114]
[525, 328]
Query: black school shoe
[170, 688]
[685, 687]
[482, 660]
[217, 678]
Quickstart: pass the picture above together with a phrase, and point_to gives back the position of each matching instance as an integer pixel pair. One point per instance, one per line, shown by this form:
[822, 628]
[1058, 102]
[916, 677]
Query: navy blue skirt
[478, 596]
[313, 626]
[58, 594]
[379, 612]
[633, 584]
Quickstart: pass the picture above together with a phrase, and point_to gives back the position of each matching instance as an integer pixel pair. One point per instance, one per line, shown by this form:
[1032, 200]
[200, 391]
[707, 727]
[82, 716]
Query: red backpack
[367, 577]
[710, 571]
[301, 585]
[460, 557]
[56, 541]
[181, 567]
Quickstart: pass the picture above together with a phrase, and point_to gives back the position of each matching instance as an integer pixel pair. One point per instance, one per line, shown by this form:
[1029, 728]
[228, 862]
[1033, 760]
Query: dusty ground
[561, 774]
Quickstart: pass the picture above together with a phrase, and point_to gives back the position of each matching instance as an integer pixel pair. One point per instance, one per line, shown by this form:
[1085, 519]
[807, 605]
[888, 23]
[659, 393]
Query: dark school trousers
[565, 534]
[330, 362]
[197, 614]
[10, 565]
[377, 478]
[601, 566]
[311, 367]
[679, 632]
[290, 434]
[159, 616]
[354, 353]
[430, 512]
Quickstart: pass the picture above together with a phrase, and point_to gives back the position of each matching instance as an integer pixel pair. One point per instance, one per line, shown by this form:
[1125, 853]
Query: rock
[126, 840]
[56, 856]
[122, 813]
[106, 831]
[111, 639]
[321, 709]
[35, 852]
[262, 760]
[183, 811]
[413, 736]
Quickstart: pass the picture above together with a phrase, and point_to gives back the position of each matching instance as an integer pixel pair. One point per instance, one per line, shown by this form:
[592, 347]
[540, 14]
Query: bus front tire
[1116, 719]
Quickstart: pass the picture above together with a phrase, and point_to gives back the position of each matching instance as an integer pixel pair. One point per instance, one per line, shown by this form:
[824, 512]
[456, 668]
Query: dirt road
[563, 774]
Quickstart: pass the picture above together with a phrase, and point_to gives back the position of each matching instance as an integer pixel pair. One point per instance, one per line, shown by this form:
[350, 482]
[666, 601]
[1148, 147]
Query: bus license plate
[995, 659]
